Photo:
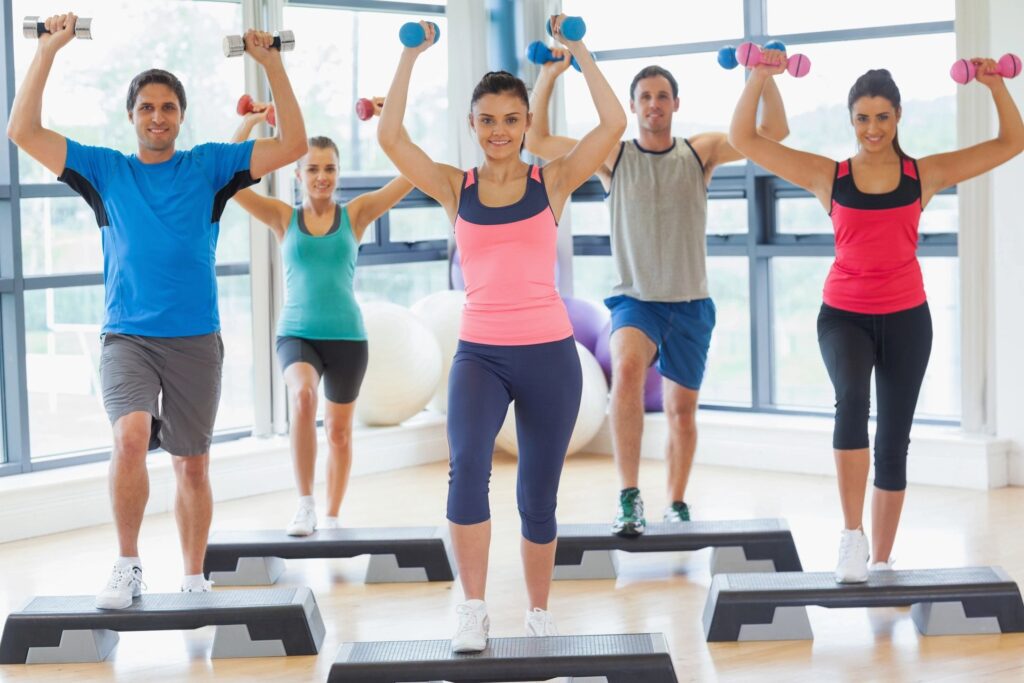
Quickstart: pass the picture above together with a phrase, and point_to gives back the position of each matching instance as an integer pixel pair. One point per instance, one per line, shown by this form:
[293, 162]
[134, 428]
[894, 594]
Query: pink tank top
[875, 270]
[508, 256]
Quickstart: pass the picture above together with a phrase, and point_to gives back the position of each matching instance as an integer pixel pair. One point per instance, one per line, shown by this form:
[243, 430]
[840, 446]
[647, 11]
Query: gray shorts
[186, 370]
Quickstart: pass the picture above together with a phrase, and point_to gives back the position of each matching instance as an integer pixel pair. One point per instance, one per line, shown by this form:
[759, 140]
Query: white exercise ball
[442, 313]
[593, 408]
[404, 366]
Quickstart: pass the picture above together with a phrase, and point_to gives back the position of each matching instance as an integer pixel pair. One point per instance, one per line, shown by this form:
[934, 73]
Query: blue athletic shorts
[681, 331]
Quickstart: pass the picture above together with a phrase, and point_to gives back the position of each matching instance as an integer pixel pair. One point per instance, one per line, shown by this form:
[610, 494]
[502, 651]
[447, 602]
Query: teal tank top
[320, 302]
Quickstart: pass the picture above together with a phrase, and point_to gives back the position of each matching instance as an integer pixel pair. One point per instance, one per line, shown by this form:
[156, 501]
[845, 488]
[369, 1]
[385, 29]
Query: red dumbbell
[964, 71]
[366, 108]
[749, 55]
[245, 106]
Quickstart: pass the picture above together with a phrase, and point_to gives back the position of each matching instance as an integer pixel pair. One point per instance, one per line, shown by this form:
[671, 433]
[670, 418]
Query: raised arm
[944, 170]
[272, 212]
[810, 171]
[539, 140]
[773, 126]
[565, 174]
[270, 154]
[439, 181]
[25, 128]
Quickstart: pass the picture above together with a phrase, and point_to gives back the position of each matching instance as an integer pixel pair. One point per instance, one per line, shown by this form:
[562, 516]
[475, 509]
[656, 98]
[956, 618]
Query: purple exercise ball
[587, 320]
[652, 385]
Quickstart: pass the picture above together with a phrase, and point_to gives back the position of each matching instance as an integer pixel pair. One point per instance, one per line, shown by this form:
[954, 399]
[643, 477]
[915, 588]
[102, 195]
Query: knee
[628, 373]
[192, 471]
[854, 401]
[890, 473]
[538, 523]
[682, 417]
[131, 441]
[303, 400]
[339, 435]
[468, 490]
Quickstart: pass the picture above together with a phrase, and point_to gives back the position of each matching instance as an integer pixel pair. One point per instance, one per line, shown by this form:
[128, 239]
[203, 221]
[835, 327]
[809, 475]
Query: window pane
[59, 235]
[236, 398]
[727, 216]
[401, 283]
[800, 16]
[347, 55]
[805, 216]
[86, 96]
[590, 218]
[816, 105]
[941, 214]
[664, 22]
[233, 241]
[593, 277]
[727, 379]
[65, 400]
[697, 75]
[800, 376]
[422, 223]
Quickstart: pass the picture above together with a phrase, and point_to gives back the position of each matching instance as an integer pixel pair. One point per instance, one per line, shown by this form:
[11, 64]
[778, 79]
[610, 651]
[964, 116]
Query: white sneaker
[330, 523]
[303, 523]
[125, 584]
[540, 623]
[882, 566]
[853, 557]
[471, 635]
[204, 587]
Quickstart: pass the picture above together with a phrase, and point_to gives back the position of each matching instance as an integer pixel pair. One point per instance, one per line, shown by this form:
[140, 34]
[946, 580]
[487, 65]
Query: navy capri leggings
[896, 346]
[545, 381]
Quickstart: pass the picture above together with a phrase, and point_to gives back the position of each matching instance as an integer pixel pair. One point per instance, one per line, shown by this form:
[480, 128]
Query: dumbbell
[244, 106]
[727, 55]
[539, 53]
[31, 27]
[234, 46]
[573, 28]
[367, 107]
[964, 71]
[749, 55]
[412, 34]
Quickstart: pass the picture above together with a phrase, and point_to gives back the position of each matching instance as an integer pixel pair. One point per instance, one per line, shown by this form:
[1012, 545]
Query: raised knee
[628, 372]
[682, 419]
[304, 399]
[339, 436]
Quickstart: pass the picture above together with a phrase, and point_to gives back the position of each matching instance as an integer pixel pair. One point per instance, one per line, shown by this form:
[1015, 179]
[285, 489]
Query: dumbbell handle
[539, 53]
[31, 27]
[234, 46]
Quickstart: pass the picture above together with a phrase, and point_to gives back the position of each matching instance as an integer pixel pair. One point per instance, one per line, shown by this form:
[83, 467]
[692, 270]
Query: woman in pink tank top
[515, 342]
[875, 315]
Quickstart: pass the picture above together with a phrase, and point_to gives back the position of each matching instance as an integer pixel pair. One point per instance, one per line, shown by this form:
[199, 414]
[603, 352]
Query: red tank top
[875, 270]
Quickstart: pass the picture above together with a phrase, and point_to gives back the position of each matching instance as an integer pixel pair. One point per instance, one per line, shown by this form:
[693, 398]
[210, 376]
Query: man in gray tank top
[661, 310]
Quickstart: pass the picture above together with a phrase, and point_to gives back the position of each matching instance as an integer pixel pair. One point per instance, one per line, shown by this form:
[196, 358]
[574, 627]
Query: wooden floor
[666, 593]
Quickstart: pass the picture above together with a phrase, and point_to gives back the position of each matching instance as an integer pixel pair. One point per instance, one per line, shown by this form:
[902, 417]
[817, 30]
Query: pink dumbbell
[964, 71]
[749, 55]
[366, 108]
[245, 105]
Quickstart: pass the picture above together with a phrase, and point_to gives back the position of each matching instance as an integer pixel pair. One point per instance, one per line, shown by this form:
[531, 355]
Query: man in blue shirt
[159, 211]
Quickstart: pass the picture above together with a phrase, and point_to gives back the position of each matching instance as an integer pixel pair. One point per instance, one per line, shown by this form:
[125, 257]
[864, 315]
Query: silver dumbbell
[234, 46]
[31, 27]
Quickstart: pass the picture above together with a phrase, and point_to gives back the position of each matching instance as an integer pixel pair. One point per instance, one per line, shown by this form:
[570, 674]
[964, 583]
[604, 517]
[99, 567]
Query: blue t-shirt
[160, 224]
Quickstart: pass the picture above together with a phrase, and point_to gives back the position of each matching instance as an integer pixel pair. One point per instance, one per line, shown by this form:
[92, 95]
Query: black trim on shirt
[697, 156]
[330, 231]
[845, 192]
[239, 181]
[647, 151]
[77, 182]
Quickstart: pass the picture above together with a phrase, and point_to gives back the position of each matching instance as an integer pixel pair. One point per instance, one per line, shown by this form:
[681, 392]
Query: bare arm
[25, 128]
[272, 212]
[539, 140]
[565, 174]
[366, 208]
[810, 171]
[944, 170]
[439, 181]
[270, 154]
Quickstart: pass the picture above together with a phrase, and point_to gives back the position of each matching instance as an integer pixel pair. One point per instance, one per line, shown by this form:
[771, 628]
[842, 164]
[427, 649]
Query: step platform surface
[958, 601]
[250, 623]
[255, 558]
[586, 551]
[628, 658]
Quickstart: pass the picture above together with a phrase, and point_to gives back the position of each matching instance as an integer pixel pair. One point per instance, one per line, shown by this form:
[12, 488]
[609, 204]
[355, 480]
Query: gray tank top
[659, 210]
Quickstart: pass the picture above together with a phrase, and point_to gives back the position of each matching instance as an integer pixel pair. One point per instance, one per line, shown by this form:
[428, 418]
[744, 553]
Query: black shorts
[340, 362]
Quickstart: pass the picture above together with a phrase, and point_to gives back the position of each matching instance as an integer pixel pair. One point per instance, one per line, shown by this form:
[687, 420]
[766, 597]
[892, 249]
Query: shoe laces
[469, 618]
[124, 575]
[541, 621]
[207, 585]
[631, 503]
[847, 545]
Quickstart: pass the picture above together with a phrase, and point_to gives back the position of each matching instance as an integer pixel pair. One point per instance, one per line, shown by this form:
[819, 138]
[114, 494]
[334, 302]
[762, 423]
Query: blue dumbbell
[727, 55]
[412, 34]
[539, 53]
[775, 45]
[573, 28]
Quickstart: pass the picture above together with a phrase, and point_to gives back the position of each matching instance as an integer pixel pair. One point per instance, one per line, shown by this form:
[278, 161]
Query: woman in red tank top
[515, 342]
[875, 315]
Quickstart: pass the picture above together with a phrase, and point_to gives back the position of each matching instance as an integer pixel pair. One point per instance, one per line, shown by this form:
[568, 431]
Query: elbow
[15, 132]
[620, 122]
[299, 149]
[777, 133]
[386, 139]
[740, 141]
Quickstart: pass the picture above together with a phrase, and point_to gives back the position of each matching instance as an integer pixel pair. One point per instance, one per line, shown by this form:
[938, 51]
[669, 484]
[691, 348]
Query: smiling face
[500, 121]
[654, 104]
[157, 117]
[318, 172]
[874, 121]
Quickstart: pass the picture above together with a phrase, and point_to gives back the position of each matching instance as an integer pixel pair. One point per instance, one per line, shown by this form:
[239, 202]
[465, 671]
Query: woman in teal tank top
[320, 333]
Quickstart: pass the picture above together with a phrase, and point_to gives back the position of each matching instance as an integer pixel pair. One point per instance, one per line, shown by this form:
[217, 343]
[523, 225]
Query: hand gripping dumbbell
[573, 28]
[31, 27]
[964, 71]
[234, 46]
[539, 53]
[727, 55]
[367, 107]
[244, 106]
[749, 55]
[412, 34]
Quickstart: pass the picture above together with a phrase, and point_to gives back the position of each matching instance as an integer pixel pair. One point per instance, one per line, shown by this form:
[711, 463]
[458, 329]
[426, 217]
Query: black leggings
[896, 346]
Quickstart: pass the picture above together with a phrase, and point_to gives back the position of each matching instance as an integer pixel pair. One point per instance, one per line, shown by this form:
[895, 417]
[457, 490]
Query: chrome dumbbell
[234, 46]
[31, 27]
